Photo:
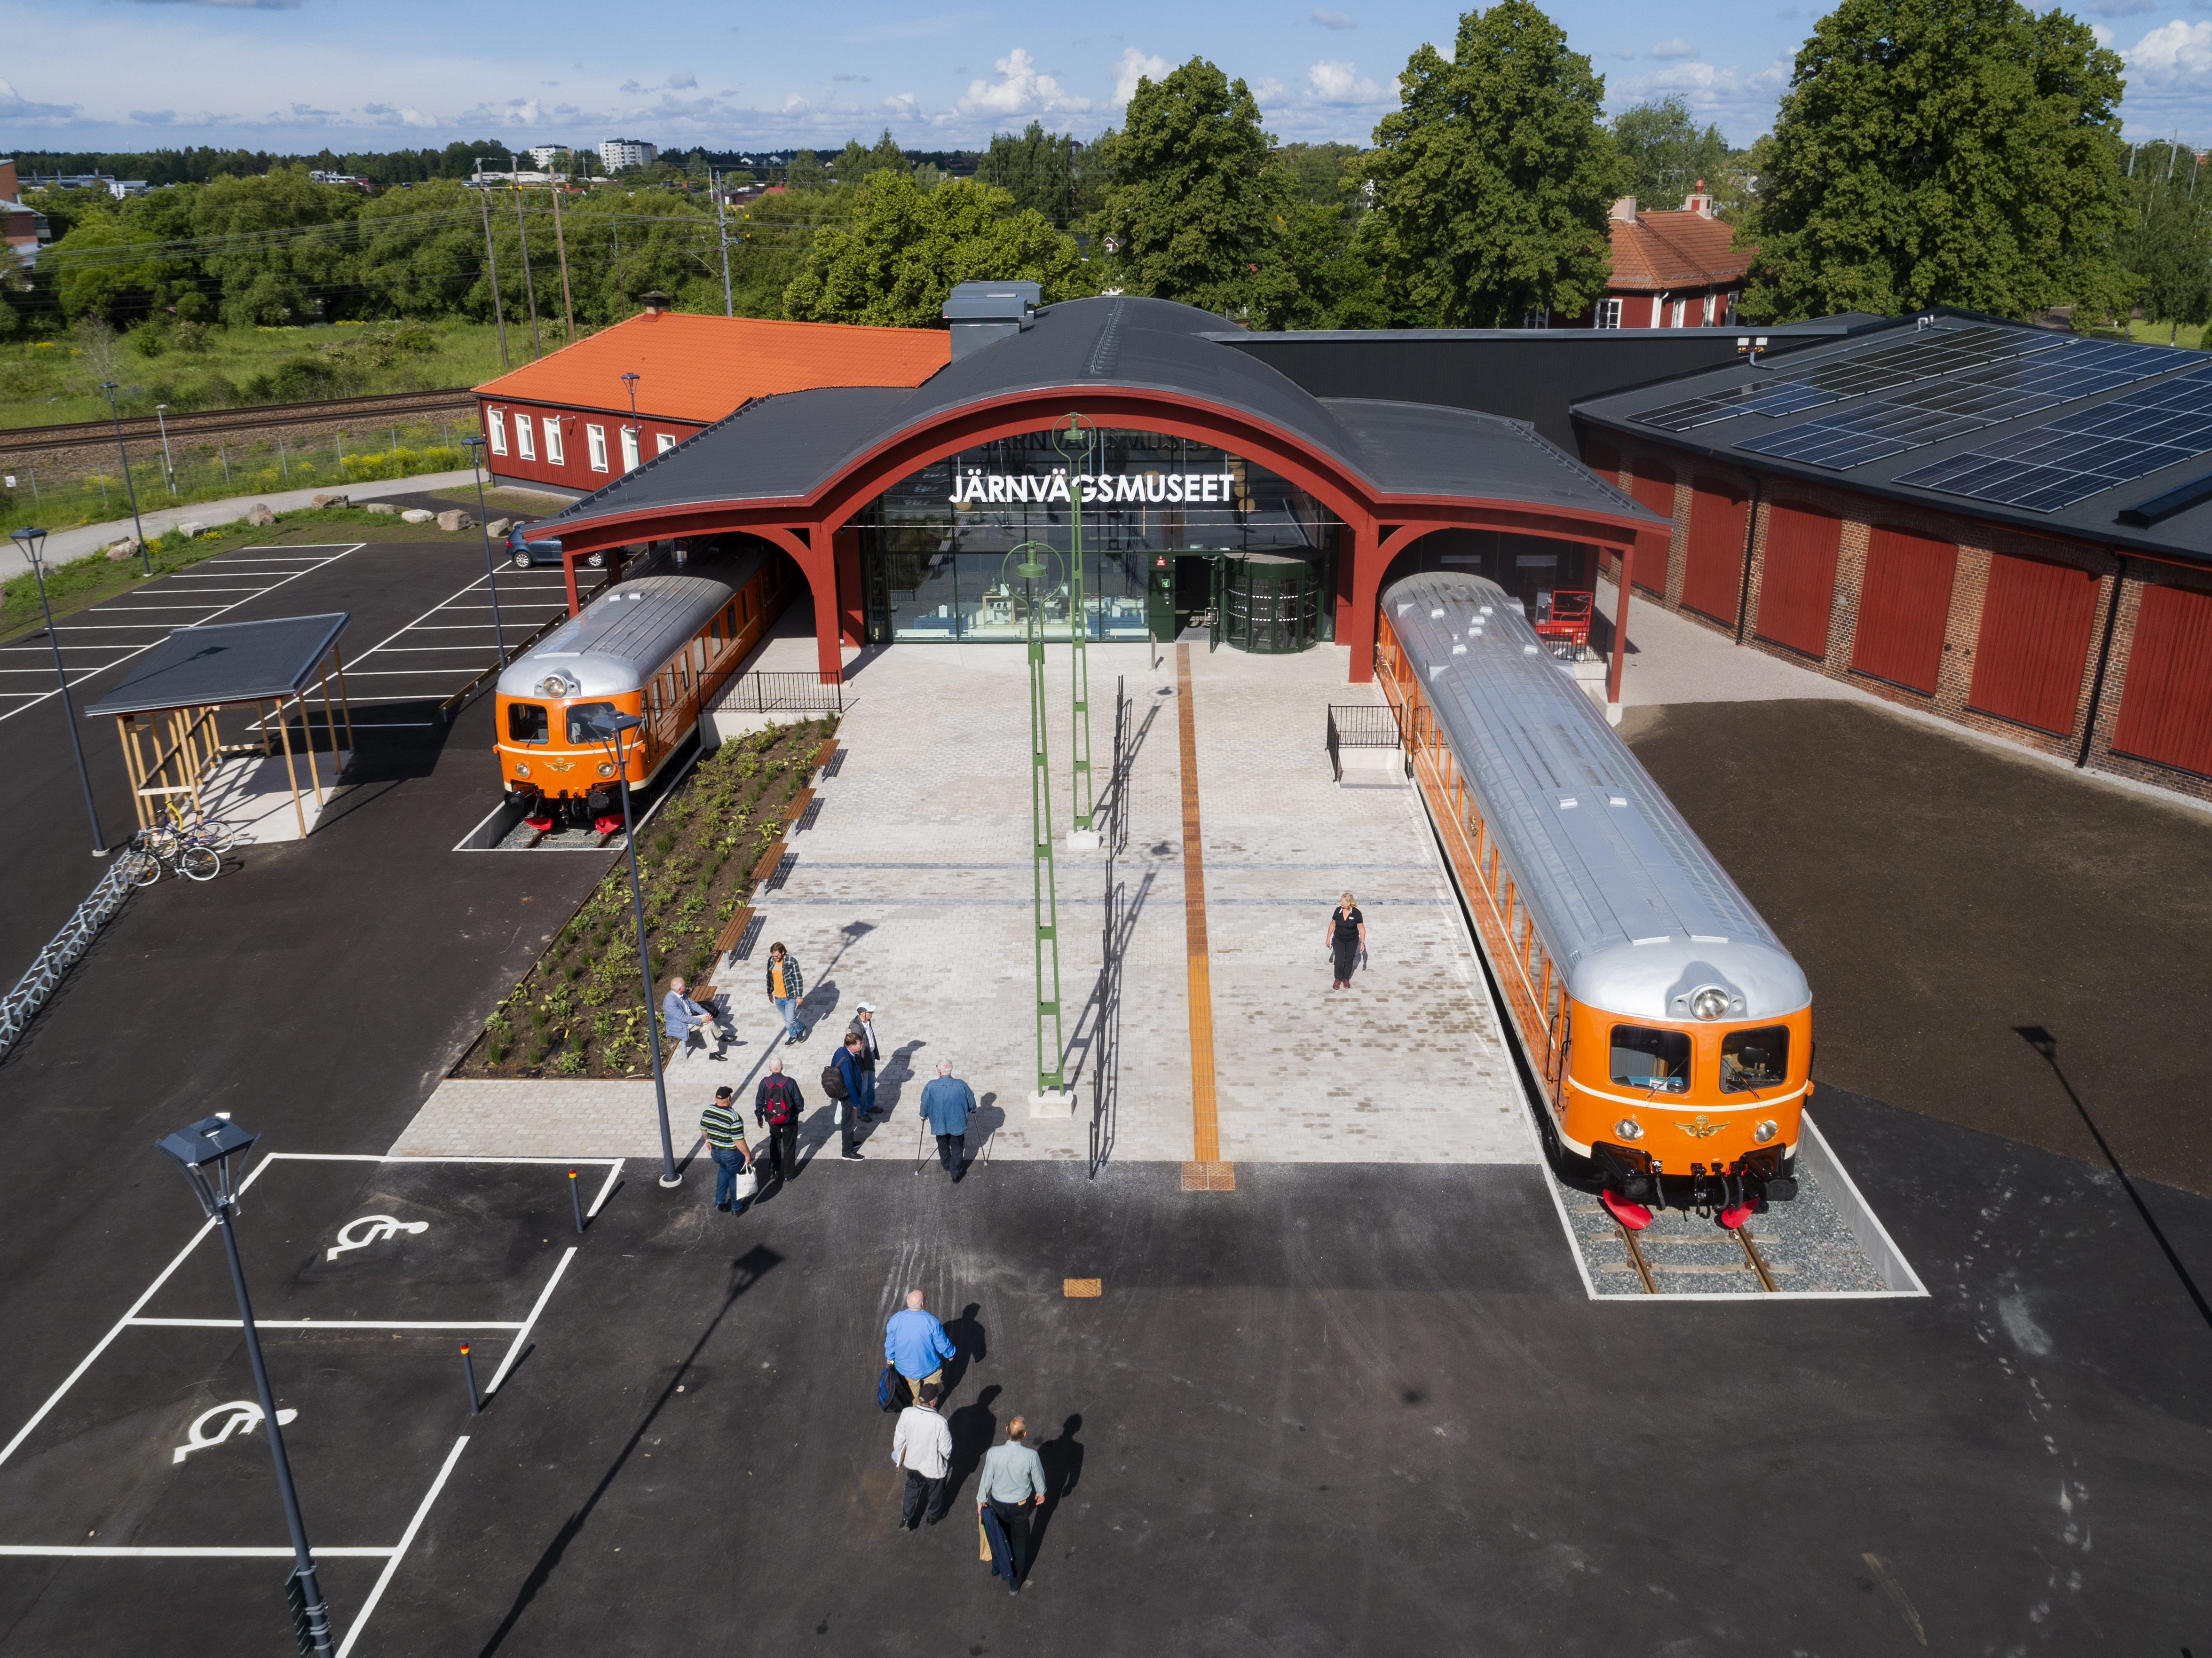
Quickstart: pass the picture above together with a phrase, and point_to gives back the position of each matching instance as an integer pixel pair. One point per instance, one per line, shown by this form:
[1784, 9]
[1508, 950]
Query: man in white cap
[864, 1027]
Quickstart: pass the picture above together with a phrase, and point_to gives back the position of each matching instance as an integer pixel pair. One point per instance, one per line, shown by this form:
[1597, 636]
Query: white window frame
[554, 451]
[596, 438]
[1710, 302]
[1682, 314]
[526, 436]
[629, 449]
[495, 422]
[663, 442]
[1608, 314]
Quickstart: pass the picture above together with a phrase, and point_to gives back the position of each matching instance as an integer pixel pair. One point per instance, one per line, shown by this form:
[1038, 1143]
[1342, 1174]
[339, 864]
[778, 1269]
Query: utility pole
[529, 288]
[491, 259]
[722, 229]
[560, 242]
[1075, 437]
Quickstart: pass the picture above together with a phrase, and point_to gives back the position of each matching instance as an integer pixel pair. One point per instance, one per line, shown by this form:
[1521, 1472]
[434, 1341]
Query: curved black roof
[787, 446]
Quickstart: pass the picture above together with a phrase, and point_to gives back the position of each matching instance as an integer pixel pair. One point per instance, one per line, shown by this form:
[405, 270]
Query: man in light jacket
[946, 1104]
[922, 1445]
[683, 1018]
[1012, 1486]
[916, 1345]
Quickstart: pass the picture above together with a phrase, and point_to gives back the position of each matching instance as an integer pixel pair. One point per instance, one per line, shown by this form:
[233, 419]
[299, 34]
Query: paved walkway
[913, 891]
[64, 545]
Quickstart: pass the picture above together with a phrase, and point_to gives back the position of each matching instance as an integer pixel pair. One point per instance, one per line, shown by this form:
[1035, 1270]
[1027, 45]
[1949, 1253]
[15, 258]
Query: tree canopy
[1039, 169]
[1664, 155]
[1192, 211]
[1958, 152]
[906, 248]
[1494, 180]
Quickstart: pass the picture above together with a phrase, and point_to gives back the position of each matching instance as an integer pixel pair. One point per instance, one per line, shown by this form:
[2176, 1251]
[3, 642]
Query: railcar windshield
[1656, 1060]
[581, 715]
[1752, 1059]
[526, 722]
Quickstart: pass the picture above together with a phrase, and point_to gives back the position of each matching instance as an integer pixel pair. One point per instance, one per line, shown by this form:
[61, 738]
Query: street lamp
[607, 727]
[475, 447]
[636, 437]
[33, 542]
[203, 1151]
[168, 461]
[145, 559]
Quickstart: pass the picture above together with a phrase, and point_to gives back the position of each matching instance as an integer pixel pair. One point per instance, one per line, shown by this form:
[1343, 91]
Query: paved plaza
[913, 891]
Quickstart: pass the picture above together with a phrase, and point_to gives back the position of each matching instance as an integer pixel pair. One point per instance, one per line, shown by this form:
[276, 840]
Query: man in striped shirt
[726, 1143]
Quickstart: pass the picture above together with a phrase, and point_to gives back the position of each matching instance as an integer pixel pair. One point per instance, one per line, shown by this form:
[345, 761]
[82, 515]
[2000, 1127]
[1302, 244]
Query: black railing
[784, 693]
[1363, 725]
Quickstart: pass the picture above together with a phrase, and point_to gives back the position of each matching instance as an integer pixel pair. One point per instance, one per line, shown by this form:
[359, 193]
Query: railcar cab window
[1656, 1060]
[581, 715]
[1752, 1059]
[526, 722]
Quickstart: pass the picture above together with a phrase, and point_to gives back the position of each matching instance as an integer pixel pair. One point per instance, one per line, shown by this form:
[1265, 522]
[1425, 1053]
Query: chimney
[1699, 201]
[655, 302]
[9, 189]
[1625, 209]
[984, 313]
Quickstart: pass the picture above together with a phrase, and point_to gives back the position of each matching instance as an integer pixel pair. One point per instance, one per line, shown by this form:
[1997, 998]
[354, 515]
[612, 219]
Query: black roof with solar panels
[1950, 409]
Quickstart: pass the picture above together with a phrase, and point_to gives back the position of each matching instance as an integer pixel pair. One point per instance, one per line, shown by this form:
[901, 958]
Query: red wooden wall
[1903, 604]
[2165, 712]
[1712, 565]
[1798, 579]
[1652, 484]
[2036, 621]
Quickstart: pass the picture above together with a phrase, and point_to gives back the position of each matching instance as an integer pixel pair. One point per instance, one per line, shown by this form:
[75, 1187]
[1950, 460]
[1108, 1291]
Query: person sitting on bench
[683, 1019]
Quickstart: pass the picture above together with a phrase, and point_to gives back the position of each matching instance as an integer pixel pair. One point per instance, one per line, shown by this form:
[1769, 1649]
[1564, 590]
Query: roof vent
[656, 303]
[983, 313]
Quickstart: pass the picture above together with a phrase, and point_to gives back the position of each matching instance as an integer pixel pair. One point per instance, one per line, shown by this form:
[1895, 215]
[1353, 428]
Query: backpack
[890, 1388]
[776, 1103]
[833, 1082]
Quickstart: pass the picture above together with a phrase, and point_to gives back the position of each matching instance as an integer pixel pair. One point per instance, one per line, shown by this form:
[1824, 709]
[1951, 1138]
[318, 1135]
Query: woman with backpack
[785, 984]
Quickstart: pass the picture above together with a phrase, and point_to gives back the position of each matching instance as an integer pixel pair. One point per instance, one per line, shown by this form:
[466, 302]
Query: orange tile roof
[698, 368]
[1664, 251]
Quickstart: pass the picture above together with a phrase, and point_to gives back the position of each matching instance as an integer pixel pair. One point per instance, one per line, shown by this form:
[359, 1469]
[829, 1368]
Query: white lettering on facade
[1157, 489]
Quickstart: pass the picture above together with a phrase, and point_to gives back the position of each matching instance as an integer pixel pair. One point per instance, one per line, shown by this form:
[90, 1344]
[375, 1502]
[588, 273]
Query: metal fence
[237, 463]
[785, 693]
[1363, 725]
[69, 945]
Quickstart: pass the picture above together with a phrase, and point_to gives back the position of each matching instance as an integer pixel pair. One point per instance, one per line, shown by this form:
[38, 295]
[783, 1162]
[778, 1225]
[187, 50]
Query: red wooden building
[1674, 269]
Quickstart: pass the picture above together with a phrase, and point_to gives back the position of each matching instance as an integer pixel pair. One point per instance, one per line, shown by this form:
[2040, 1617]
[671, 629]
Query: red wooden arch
[807, 527]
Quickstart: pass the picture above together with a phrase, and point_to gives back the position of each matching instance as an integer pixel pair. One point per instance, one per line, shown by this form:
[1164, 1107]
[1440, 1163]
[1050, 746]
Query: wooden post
[1619, 626]
[329, 724]
[307, 738]
[284, 734]
[337, 662]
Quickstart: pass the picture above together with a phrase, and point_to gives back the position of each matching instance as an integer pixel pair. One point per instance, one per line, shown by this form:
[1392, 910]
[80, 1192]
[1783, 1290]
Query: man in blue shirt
[682, 1018]
[848, 1066]
[946, 1105]
[916, 1345]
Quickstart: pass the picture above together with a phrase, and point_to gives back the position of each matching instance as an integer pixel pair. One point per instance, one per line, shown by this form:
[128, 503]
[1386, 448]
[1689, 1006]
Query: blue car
[523, 554]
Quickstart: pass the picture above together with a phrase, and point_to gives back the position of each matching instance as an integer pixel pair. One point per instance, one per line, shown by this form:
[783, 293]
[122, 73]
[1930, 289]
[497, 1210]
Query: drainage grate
[783, 868]
[746, 940]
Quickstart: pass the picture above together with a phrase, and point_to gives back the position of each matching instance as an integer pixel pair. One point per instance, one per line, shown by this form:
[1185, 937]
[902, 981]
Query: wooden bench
[734, 931]
[796, 809]
[823, 754]
[768, 860]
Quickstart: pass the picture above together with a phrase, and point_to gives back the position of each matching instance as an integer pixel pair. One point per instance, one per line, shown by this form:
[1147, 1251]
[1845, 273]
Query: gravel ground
[1805, 1243]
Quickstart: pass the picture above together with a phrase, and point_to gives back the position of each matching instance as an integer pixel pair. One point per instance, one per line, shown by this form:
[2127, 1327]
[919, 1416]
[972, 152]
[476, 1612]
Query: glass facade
[937, 548]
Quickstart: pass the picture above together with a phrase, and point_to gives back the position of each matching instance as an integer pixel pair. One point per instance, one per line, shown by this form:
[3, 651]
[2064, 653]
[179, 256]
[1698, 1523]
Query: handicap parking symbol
[241, 1416]
[372, 1229]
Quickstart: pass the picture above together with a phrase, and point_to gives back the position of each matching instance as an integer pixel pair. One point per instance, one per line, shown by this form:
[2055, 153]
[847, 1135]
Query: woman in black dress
[1347, 940]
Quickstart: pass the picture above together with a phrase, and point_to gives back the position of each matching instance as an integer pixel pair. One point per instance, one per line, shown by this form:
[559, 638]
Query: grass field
[56, 381]
[2158, 333]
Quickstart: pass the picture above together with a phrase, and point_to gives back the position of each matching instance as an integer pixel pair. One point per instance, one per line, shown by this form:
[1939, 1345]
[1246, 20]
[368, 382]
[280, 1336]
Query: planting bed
[577, 1011]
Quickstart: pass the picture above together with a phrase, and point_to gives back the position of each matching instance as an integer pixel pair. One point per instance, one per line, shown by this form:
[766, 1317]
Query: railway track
[381, 408]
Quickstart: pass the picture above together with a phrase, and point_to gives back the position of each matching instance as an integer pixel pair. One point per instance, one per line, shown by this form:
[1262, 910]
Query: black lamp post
[33, 542]
[636, 437]
[475, 447]
[203, 1151]
[145, 559]
[608, 727]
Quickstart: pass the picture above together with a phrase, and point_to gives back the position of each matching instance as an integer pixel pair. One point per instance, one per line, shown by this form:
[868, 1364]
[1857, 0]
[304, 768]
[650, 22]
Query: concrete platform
[253, 793]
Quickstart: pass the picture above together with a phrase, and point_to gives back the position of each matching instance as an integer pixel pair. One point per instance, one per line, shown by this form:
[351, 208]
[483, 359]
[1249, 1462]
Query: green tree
[1038, 168]
[1494, 180]
[806, 172]
[108, 267]
[1664, 155]
[421, 252]
[270, 273]
[1192, 211]
[1930, 152]
[1335, 280]
[1321, 175]
[905, 250]
[2165, 245]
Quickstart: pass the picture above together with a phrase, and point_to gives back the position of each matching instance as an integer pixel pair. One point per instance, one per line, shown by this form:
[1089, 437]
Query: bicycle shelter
[166, 711]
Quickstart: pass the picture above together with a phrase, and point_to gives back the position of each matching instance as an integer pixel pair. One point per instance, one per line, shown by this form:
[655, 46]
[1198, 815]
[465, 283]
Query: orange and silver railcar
[660, 647]
[1670, 1031]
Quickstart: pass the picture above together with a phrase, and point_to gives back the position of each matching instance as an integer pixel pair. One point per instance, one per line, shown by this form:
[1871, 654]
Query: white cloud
[1134, 67]
[2173, 57]
[15, 107]
[2104, 36]
[1337, 83]
[1332, 19]
[1741, 102]
[683, 83]
[917, 28]
[1021, 89]
[155, 118]
[904, 107]
[1669, 51]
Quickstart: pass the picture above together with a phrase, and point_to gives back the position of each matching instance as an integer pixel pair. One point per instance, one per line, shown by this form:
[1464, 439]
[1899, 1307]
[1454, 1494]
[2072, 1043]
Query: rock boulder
[332, 500]
[456, 519]
[417, 515]
[261, 518]
[126, 548]
[190, 527]
[499, 527]
[384, 508]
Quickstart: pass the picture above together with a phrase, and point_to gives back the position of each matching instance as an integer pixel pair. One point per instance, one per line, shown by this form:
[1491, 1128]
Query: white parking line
[407, 1536]
[329, 1324]
[522, 1336]
[102, 1551]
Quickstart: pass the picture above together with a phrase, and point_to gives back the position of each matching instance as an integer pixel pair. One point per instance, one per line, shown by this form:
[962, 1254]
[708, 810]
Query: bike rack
[68, 947]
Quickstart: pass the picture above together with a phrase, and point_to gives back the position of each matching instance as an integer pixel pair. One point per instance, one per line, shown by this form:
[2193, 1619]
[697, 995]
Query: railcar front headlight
[606, 768]
[561, 684]
[1764, 1132]
[522, 769]
[1629, 1129]
[1709, 1003]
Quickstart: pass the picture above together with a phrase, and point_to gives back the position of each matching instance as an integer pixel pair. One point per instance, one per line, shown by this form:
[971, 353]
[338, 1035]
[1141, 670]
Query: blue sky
[297, 74]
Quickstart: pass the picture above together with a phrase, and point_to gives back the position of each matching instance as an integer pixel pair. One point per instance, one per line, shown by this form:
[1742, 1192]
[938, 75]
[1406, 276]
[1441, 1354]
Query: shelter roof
[791, 447]
[1968, 414]
[226, 662]
[694, 367]
[1661, 252]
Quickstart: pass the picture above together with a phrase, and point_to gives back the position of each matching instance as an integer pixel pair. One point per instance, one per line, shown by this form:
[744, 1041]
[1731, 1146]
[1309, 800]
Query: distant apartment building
[550, 157]
[1672, 270]
[616, 153]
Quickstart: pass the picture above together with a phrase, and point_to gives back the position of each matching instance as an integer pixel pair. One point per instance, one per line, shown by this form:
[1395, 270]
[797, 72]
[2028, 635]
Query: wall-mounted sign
[978, 488]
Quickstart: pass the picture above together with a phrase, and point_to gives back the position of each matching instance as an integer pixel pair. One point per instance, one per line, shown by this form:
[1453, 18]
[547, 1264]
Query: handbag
[745, 1183]
[983, 1539]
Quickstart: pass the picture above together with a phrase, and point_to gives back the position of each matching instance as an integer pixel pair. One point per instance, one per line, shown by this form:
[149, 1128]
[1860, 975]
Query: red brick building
[565, 420]
[1669, 270]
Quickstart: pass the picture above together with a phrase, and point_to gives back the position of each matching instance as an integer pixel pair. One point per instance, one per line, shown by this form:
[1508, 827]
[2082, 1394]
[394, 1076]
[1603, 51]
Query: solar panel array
[2077, 455]
[1968, 400]
[1927, 354]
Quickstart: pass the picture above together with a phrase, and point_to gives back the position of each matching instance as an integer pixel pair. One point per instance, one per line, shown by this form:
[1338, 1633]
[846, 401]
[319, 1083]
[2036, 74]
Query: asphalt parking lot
[1344, 1408]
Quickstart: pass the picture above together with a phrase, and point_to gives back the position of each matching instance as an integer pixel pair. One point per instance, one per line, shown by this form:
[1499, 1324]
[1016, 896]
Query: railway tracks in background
[214, 422]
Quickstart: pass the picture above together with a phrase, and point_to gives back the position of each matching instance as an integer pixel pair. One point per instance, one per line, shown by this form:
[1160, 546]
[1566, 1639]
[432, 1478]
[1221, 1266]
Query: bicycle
[211, 832]
[161, 848]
